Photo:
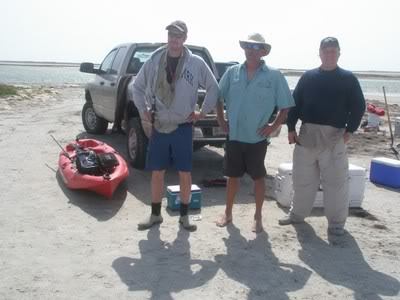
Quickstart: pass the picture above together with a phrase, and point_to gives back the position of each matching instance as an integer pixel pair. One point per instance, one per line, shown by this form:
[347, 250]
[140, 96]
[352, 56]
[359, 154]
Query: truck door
[110, 87]
[97, 89]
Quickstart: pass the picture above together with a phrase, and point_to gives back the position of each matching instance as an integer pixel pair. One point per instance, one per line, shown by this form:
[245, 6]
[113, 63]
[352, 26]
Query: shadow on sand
[164, 268]
[95, 205]
[258, 268]
[341, 262]
[381, 186]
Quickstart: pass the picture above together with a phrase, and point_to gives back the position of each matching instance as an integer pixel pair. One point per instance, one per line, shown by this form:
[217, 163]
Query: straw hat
[255, 39]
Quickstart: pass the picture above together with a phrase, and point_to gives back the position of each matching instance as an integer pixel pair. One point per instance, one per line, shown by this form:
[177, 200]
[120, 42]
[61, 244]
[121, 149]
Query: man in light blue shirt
[251, 92]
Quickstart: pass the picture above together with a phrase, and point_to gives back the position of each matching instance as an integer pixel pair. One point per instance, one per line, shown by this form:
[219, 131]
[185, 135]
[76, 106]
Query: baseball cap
[329, 42]
[178, 27]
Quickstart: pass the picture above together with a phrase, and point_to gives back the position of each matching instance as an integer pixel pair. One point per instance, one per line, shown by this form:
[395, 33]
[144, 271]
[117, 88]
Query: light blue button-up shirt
[250, 103]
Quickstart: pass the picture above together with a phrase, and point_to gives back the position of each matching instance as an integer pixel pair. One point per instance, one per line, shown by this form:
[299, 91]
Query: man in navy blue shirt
[330, 104]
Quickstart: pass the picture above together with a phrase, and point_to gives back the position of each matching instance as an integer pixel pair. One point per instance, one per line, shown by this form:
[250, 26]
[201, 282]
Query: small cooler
[174, 200]
[385, 171]
[284, 186]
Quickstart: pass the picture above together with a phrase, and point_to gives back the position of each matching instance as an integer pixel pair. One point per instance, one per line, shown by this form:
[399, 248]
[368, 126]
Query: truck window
[107, 62]
[203, 56]
[223, 66]
[138, 58]
[141, 55]
[118, 60]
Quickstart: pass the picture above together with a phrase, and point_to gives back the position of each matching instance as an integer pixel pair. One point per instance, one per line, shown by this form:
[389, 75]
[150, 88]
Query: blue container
[174, 200]
[385, 171]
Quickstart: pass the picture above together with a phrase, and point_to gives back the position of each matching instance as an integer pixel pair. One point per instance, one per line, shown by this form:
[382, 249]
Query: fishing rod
[396, 153]
[62, 149]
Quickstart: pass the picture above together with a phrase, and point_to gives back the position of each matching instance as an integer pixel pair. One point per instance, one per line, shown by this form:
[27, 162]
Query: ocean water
[69, 75]
[371, 87]
[43, 75]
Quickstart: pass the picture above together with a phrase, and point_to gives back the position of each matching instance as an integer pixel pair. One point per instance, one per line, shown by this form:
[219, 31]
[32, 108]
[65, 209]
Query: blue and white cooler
[174, 200]
[385, 171]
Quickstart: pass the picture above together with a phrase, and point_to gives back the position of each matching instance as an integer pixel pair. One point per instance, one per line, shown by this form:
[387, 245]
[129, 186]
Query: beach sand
[62, 244]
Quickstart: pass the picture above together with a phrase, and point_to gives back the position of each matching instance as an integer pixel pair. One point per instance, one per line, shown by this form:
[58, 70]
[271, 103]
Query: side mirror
[87, 68]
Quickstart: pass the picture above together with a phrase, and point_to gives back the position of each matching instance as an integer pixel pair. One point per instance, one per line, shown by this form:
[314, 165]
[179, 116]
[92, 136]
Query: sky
[86, 30]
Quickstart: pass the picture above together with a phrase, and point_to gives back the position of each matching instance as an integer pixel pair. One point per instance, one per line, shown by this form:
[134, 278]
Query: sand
[63, 244]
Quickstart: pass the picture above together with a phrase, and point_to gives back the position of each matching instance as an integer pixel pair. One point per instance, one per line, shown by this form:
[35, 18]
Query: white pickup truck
[106, 100]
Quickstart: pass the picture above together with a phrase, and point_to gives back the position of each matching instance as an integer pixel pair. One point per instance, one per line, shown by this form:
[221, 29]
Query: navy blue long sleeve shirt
[331, 98]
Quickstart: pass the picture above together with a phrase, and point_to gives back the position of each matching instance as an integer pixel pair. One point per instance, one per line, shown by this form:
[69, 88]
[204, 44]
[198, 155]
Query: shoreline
[287, 72]
[359, 74]
[38, 64]
[392, 99]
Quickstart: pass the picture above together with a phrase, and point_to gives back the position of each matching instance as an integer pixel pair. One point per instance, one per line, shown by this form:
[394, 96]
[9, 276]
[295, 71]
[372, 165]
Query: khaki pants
[328, 165]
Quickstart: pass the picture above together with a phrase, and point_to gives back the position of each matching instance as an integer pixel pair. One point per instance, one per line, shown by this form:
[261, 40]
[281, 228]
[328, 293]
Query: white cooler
[284, 186]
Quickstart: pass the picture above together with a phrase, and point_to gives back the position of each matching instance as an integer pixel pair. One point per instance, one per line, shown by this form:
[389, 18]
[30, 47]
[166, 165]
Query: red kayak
[92, 165]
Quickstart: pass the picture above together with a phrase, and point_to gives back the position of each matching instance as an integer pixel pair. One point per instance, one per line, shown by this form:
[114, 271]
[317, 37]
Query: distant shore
[287, 72]
[359, 74]
[38, 63]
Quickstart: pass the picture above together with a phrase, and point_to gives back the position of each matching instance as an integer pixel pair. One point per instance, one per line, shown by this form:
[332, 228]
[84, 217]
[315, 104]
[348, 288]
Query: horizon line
[378, 73]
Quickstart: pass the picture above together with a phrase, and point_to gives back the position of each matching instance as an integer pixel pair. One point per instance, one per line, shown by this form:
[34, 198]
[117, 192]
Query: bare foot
[257, 226]
[223, 220]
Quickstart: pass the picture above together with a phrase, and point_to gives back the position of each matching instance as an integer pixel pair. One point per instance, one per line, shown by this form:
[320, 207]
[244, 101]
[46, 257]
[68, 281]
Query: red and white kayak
[104, 182]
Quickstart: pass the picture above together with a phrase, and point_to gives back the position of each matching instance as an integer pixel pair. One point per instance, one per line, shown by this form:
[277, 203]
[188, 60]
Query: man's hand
[195, 116]
[223, 123]
[267, 130]
[147, 115]
[346, 137]
[292, 137]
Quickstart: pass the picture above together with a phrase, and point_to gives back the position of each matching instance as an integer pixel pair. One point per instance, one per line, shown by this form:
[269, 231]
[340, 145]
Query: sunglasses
[252, 46]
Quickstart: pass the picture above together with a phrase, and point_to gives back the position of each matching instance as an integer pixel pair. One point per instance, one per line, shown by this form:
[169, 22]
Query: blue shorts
[175, 148]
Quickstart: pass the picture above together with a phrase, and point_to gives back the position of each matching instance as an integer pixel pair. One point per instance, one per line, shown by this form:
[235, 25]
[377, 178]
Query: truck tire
[136, 144]
[92, 122]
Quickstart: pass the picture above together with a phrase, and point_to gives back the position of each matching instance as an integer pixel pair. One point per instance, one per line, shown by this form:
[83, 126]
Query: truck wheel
[92, 122]
[136, 144]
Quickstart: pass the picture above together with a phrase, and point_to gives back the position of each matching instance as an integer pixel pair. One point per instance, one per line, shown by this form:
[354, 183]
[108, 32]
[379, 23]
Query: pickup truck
[107, 100]
[222, 67]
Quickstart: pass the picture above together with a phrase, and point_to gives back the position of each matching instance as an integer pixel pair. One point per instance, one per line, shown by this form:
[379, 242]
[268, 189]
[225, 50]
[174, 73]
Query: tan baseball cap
[178, 27]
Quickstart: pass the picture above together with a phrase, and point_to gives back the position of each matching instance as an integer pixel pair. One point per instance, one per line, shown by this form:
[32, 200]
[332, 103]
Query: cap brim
[267, 47]
[175, 28]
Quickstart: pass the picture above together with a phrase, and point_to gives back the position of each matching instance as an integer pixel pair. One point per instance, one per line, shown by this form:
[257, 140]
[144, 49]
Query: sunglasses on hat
[252, 46]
